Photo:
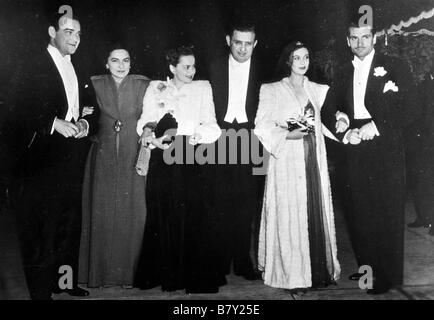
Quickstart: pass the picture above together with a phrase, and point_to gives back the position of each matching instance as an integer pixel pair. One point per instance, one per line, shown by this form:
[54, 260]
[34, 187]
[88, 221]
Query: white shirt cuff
[52, 127]
[376, 130]
[345, 139]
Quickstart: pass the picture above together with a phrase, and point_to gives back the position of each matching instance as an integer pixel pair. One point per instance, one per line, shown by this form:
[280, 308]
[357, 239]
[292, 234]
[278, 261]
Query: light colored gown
[284, 255]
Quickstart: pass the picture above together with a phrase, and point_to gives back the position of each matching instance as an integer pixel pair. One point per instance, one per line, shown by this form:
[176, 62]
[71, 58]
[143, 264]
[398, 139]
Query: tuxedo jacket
[219, 78]
[392, 110]
[40, 97]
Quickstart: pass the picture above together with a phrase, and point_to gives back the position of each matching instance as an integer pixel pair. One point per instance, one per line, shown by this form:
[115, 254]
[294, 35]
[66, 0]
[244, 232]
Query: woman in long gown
[114, 207]
[179, 245]
[297, 244]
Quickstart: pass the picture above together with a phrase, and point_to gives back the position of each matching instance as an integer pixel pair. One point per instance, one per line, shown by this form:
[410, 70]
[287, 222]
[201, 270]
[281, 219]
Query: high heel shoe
[297, 291]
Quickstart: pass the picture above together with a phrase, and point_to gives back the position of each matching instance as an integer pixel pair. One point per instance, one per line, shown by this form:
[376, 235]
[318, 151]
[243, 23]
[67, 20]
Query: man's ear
[228, 40]
[348, 42]
[52, 32]
[172, 69]
[375, 38]
[256, 42]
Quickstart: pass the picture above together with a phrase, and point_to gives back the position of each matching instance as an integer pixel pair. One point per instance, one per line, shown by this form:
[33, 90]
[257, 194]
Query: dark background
[150, 27]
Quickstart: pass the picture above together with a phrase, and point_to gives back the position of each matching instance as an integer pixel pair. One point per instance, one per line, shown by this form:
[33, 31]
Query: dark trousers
[238, 198]
[420, 177]
[376, 219]
[49, 226]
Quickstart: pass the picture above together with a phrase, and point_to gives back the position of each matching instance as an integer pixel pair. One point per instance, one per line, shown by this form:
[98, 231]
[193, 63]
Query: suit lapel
[349, 94]
[373, 87]
[251, 91]
[225, 86]
[56, 80]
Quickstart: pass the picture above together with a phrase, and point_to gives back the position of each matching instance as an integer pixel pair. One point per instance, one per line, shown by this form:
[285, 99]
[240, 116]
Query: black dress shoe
[378, 290]
[419, 223]
[75, 292]
[431, 231]
[355, 276]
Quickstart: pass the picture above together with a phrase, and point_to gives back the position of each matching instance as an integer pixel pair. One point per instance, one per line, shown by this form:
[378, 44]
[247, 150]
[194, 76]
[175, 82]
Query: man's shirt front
[237, 95]
[70, 82]
[360, 80]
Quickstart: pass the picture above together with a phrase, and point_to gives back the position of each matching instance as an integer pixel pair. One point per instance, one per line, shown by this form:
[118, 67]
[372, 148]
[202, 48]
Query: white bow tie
[357, 63]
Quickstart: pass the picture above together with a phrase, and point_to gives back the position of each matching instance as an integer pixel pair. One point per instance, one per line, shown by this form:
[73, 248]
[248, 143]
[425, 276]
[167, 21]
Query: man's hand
[296, 134]
[82, 127]
[194, 139]
[368, 131]
[353, 136]
[65, 128]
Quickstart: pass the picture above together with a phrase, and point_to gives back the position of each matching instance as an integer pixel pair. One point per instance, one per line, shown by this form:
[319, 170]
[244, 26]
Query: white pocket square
[390, 85]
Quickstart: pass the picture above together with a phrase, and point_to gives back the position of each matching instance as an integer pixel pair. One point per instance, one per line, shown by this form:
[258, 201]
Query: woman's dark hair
[108, 48]
[173, 55]
[283, 68]
[115, 46]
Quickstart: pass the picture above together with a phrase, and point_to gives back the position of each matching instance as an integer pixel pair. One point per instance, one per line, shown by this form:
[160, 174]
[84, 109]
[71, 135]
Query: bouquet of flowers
[305, 121]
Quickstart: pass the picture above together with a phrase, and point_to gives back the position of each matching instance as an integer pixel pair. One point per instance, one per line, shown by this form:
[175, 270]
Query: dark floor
[418, 283]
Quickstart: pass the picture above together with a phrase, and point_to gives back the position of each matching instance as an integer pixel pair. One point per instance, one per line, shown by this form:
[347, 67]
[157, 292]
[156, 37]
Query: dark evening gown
[179, 245]
[319, 239]
[114, 207]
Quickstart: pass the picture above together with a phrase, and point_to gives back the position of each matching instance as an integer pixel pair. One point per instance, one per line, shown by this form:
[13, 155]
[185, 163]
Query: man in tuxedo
[379, 97]
[235, 82]
[53, 148]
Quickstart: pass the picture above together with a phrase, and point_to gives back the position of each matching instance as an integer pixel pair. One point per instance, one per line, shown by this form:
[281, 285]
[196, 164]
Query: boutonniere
[379, 72]
[390, 85]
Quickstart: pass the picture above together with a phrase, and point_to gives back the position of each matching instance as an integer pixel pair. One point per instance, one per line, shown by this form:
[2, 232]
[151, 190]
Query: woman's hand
[341, 122]
[296, 134]
[341, 125]
[87, 111]
[158, 142]
[147, 137]
[194, 139]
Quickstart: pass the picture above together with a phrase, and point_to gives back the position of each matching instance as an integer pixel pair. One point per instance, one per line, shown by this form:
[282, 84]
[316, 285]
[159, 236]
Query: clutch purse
[142, 162]
[167, 125]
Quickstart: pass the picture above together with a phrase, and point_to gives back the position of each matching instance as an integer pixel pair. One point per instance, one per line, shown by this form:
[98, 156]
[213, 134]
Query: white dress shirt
[238, 82]
[70, 82]
[360, 80]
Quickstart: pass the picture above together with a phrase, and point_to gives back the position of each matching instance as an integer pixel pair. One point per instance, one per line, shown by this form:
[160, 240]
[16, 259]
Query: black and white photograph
[217, 155]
